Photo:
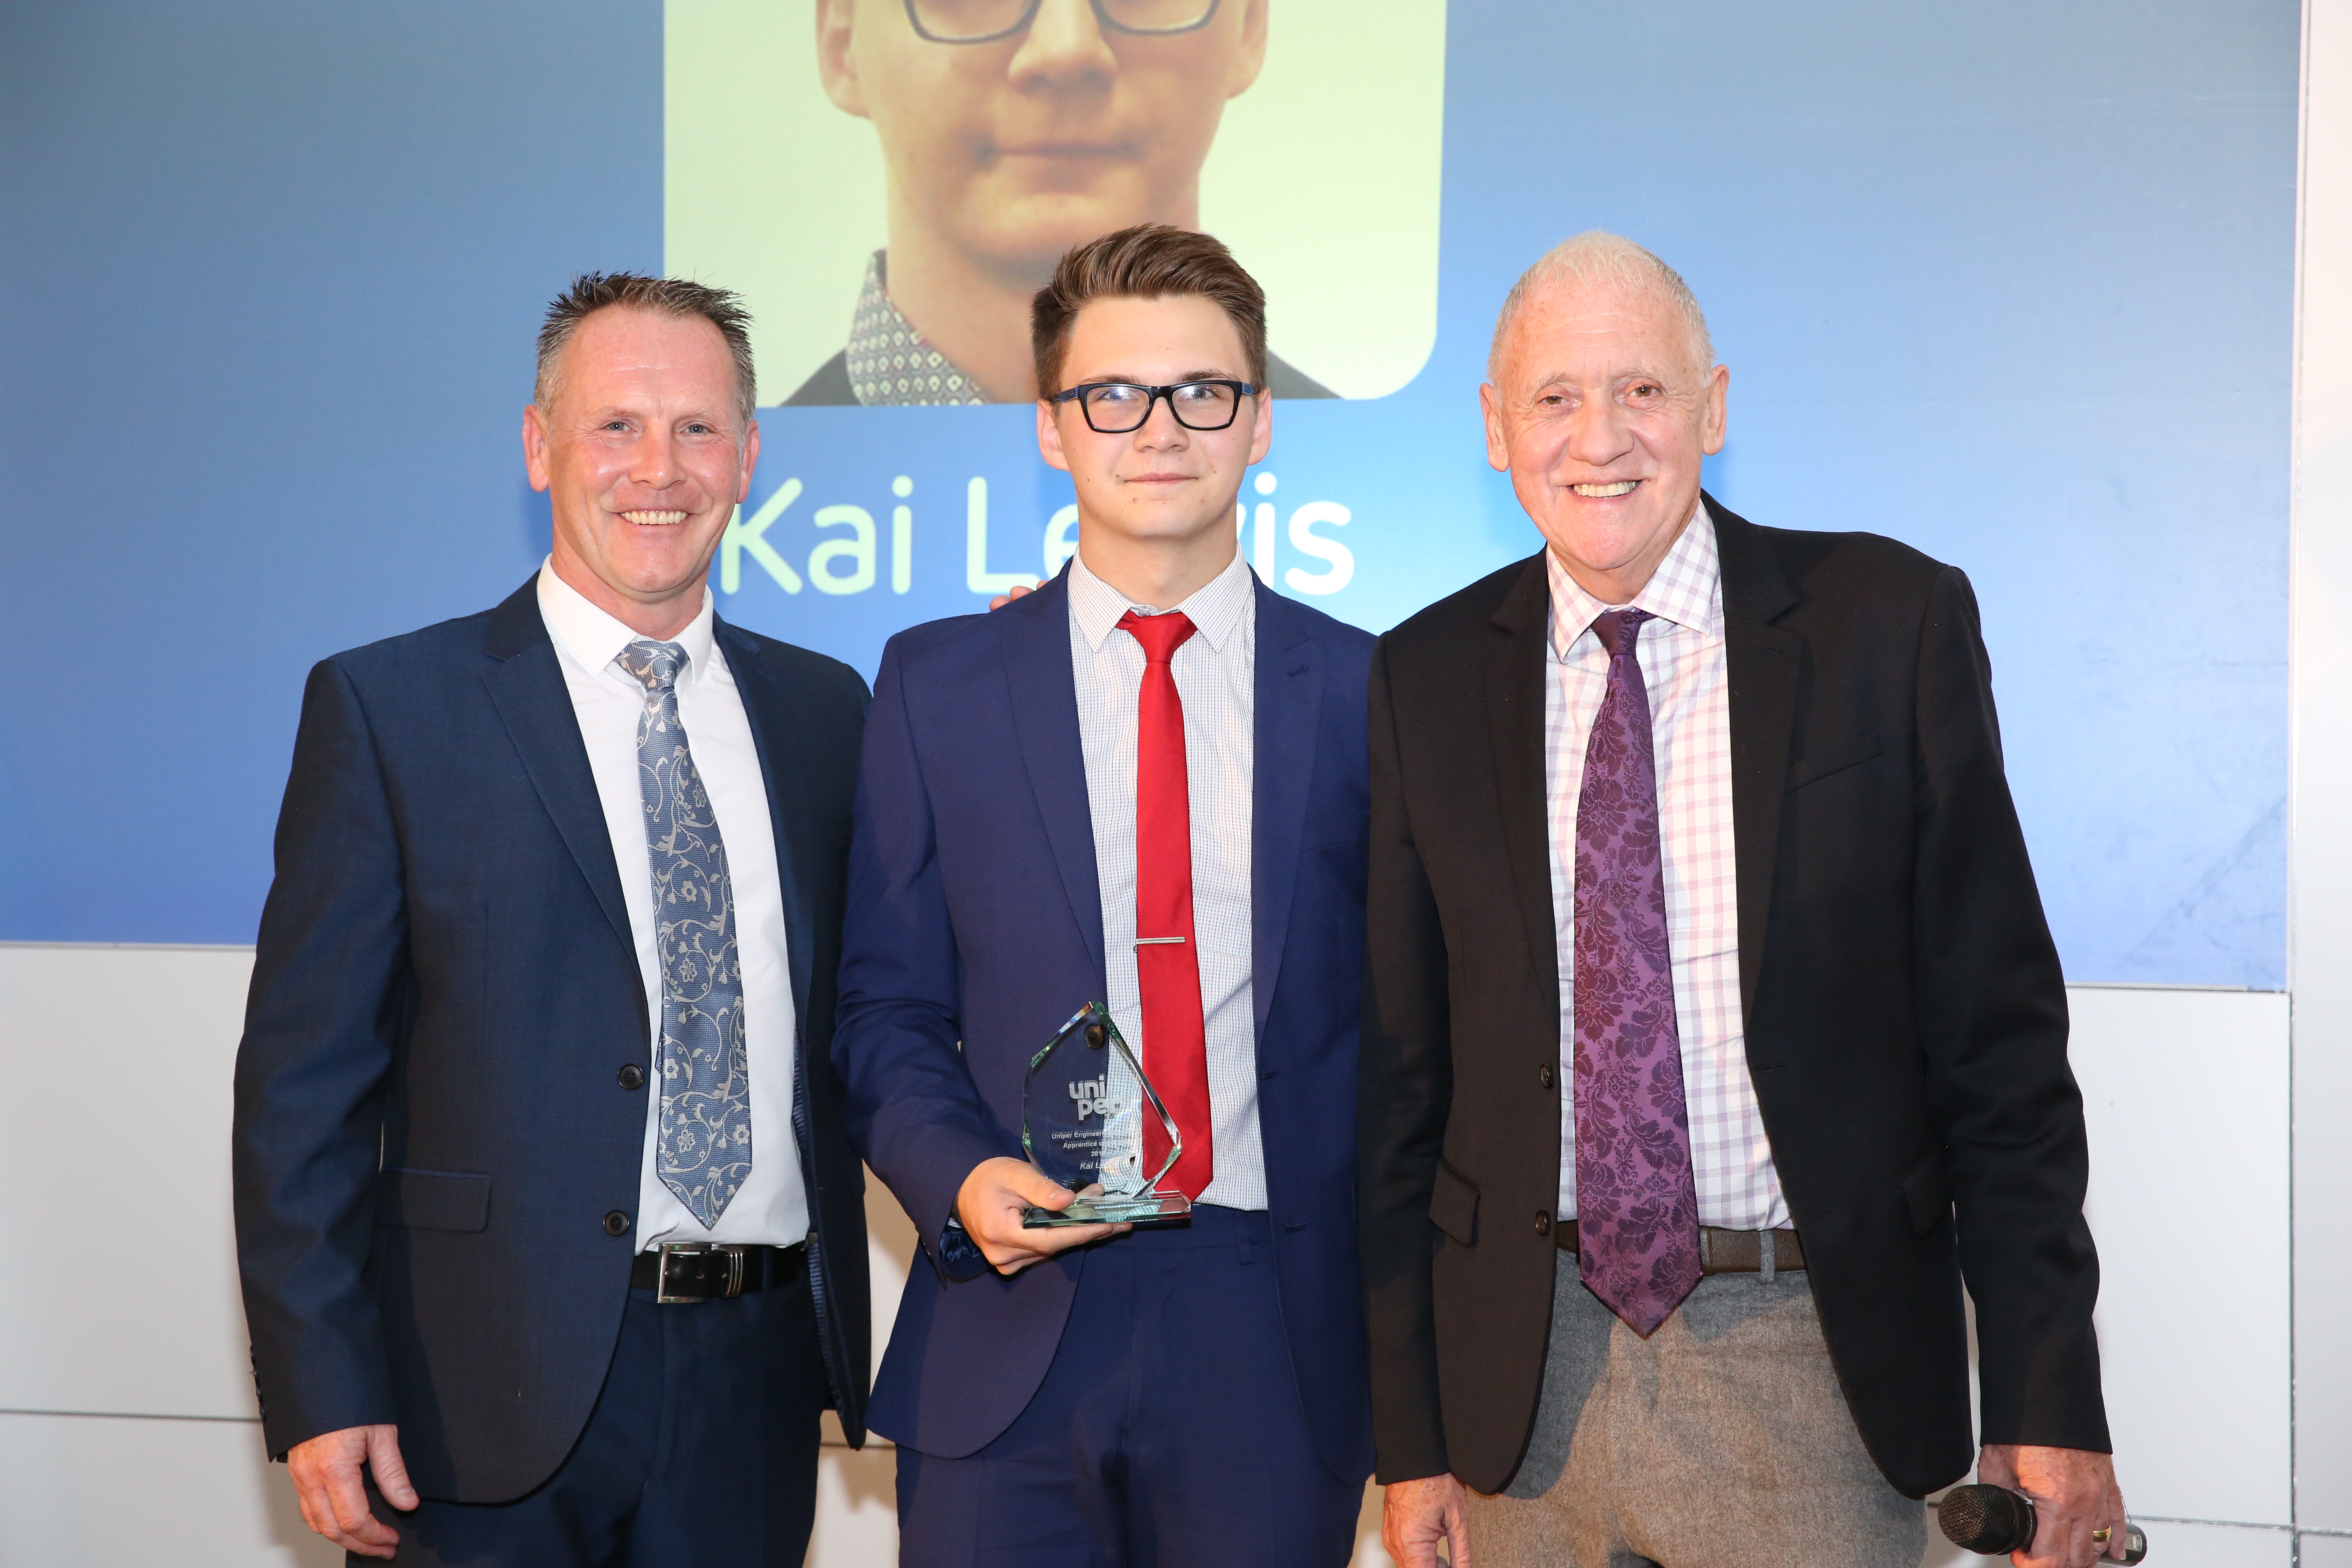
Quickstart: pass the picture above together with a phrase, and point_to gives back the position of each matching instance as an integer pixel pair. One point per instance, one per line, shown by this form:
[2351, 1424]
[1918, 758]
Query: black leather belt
[702, 1271]
[1723, 1251]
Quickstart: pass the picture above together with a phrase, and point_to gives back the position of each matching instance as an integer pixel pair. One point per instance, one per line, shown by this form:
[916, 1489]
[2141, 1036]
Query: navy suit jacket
[975, 917]
[430, 1129]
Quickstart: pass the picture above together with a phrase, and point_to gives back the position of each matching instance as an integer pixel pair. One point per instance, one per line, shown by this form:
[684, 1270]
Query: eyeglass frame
[1029, 15]
[1078, 395]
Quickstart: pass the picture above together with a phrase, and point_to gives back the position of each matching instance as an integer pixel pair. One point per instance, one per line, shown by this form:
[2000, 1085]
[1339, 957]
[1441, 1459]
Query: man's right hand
[1416, 1515]
[326, 1471]
[990, 1203]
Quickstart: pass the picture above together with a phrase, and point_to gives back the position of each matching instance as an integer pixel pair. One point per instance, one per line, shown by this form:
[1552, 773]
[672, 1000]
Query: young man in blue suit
[543, 1207]
[1143, 784]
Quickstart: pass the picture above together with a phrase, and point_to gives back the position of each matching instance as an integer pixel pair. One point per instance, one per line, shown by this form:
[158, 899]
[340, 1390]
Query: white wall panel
[2320, 856]
[114, 1152]
[2180, 1545]
[2186, 1094]
[2317, 1551]
[109, 1492]
[2189, 1351]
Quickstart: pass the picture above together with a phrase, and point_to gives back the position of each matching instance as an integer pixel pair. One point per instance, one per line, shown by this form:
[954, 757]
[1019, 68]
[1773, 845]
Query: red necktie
[1167, 966]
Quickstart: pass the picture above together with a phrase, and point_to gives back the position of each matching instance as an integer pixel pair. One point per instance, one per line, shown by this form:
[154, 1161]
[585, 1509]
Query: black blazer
[430, 1132]
[1905, 1015]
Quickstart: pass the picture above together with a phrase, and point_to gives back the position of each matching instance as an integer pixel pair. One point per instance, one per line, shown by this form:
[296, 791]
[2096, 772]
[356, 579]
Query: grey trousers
[1722, 1439]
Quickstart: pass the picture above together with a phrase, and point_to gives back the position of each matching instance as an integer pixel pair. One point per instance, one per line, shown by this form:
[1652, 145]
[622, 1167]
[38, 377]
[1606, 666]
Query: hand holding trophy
[1087, 1118]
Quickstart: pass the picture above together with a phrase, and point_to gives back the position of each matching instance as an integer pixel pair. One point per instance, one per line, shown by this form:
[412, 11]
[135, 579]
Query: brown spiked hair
[1148, 261]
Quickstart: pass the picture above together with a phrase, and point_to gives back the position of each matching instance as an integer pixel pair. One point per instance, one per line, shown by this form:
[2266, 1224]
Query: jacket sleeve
[1992, 1012]
[329, 998]
[913, 1112]
[1404, 1094]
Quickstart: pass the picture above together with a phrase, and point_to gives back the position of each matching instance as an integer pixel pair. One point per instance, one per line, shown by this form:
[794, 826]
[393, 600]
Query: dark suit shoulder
[410, 653]
[828, 387]
[1860, 558]
[1287, 381]
[1295, 619]
[804, 667]
[1463, 611]
[949, 637]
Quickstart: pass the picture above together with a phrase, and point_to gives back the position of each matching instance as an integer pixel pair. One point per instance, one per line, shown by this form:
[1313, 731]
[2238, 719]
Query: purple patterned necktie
[1636, 1207]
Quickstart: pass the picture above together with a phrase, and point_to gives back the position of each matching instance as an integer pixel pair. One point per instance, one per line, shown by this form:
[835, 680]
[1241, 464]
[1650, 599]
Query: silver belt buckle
[670, 1249]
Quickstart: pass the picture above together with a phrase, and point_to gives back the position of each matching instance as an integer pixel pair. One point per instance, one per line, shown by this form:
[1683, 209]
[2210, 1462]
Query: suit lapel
[1762, 662]
[1513, 696]
[1288, 684]
[526, 684]
[779, 728]
[1036, 637]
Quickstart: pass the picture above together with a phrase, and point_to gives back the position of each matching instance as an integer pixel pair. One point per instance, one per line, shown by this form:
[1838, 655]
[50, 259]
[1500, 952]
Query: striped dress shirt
[1216, 680]
[1683, 664]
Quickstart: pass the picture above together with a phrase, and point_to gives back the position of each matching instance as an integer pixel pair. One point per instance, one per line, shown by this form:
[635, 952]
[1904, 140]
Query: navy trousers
[1168, 1430]
[701, 1451]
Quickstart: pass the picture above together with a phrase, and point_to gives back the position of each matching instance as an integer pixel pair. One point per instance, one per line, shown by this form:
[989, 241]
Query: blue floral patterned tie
[704, 1145]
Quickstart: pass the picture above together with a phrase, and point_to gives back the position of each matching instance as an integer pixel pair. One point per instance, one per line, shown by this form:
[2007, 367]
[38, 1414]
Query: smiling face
[1013, 150]
[644, 454]
[1601, 416]
[1161, 483]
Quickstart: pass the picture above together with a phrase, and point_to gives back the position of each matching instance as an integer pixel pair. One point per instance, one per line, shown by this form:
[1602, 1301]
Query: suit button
[1543, 1075]
[617, 1223]
[1543, 1222]
[632, 1077]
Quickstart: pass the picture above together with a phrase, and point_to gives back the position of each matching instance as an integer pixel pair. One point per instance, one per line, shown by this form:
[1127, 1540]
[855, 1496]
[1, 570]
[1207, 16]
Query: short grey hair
[593, 291]
[1609, 260]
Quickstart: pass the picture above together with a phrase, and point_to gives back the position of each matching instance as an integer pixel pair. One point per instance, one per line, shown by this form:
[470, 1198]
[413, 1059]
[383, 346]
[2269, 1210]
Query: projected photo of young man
[1012, 130]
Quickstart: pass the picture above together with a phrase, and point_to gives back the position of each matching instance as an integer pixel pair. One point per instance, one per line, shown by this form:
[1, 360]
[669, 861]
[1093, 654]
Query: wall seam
[2293, 773]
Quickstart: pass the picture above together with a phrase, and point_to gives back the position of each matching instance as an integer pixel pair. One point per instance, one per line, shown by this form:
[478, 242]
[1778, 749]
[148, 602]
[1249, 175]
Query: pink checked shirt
[1682, 657]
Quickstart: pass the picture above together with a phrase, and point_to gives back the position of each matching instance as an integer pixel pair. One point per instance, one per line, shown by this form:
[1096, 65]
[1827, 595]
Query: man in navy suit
[1142, 784]
[550, 1234]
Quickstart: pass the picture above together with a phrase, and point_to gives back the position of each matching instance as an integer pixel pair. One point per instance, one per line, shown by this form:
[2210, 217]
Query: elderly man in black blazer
[1714, 1036]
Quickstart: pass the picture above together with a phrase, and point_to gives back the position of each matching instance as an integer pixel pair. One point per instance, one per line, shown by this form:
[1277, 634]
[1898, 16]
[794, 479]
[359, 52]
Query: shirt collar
[1686, 590]
[594, 639]
[1214, 607]
[890, 362]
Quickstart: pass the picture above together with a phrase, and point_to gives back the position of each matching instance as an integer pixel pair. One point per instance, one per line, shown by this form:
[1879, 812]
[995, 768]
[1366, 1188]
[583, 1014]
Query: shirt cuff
[959, 1256]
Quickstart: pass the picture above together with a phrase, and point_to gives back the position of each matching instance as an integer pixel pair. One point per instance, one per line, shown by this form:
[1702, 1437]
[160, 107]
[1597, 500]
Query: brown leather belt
[1723, 1251]
[701, 1272]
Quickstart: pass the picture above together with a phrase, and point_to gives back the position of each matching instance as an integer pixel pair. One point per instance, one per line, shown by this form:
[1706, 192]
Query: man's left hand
[2074, 1492]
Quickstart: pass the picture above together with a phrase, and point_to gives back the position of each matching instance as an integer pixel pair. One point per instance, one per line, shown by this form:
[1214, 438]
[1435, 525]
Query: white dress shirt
[772, 1204]
[1682, 667]
[1216, 679]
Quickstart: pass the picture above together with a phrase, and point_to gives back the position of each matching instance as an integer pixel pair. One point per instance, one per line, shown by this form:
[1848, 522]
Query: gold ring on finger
[2101, 1534]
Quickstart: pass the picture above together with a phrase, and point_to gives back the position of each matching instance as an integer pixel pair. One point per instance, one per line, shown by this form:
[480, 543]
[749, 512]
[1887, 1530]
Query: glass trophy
[1082, 1122]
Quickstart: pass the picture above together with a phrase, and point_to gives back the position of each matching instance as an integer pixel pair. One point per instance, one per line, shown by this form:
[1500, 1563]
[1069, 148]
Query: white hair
[1596, 258]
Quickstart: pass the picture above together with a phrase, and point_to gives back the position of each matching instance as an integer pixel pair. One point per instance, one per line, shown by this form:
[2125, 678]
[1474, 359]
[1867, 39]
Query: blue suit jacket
[430, 1132]
[974, 917]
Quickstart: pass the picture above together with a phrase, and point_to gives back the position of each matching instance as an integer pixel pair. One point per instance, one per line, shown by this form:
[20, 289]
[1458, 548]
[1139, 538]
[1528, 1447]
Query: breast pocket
[1833, 758]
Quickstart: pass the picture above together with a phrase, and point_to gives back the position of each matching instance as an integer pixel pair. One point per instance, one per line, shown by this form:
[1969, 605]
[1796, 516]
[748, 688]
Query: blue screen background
[2012, 283]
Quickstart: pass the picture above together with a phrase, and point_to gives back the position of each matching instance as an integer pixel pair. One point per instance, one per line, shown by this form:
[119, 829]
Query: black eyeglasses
[1116, 407]
[985, 21]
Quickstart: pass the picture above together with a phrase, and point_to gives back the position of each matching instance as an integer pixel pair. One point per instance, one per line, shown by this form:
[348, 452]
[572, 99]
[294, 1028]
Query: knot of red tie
[1161, 635]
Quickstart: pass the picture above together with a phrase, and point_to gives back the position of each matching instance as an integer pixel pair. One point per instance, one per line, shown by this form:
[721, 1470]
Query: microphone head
[1986, 1520]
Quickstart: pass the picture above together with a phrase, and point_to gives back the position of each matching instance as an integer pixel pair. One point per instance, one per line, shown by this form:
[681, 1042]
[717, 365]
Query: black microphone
[1992, 1521]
